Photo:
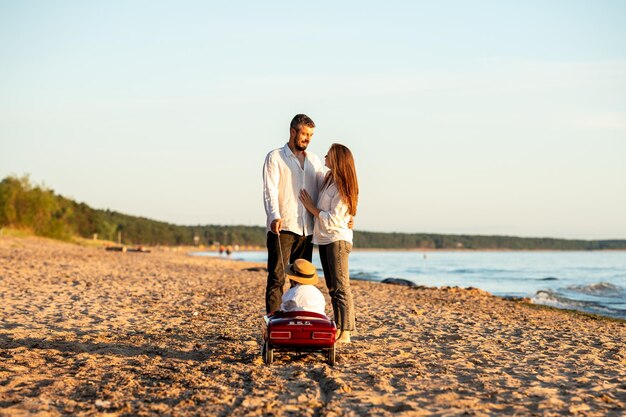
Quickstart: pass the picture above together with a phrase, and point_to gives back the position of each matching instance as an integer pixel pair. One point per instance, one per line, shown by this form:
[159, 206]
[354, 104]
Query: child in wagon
[304, 296]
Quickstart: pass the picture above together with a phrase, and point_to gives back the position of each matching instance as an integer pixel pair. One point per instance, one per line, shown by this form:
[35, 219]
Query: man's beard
[301, 147]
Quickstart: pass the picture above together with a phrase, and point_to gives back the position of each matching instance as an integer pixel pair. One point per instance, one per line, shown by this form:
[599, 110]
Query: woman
[335, 207]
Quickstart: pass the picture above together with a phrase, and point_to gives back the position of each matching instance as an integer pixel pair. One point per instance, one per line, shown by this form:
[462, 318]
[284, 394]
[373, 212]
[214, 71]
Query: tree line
[24, 205]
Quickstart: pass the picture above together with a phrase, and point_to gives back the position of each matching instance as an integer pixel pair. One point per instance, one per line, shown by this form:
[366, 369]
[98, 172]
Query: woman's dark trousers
[334, 259]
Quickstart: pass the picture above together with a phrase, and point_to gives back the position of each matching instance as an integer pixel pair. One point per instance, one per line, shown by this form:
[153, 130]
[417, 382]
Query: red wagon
[299, 331]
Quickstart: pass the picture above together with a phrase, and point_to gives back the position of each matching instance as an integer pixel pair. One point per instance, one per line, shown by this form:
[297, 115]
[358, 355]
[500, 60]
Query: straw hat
[302, 271]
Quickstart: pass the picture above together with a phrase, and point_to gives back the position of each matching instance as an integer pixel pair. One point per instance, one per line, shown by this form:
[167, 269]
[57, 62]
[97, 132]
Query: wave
[499, 274]
[479, 271]
[555, 299]
[551, 297]
[365, 276]
[599, 289]
[417, 270]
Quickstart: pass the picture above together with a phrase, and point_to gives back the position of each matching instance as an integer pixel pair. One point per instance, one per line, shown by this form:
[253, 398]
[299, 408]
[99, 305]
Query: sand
[84, 332]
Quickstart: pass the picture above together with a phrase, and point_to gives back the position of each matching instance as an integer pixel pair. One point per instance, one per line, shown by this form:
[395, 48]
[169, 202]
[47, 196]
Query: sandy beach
[84, 331]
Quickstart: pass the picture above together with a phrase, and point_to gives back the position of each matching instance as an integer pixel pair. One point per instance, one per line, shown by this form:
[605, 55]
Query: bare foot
[344, 337]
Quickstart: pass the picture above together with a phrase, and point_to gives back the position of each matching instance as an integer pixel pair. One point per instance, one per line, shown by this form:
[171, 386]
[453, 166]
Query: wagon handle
[282, 259]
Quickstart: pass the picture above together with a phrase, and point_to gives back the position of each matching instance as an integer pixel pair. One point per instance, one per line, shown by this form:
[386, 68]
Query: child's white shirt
[303, 298]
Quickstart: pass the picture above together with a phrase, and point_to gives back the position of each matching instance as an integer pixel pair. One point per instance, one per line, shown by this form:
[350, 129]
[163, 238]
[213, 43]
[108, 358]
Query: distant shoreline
[480, 250]
[429, 250]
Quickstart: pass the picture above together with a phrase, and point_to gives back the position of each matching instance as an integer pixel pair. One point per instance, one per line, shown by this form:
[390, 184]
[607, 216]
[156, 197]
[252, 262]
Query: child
[304, 296]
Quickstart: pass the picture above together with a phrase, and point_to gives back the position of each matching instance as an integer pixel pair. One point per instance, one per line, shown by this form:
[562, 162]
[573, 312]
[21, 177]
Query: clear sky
[474, 117]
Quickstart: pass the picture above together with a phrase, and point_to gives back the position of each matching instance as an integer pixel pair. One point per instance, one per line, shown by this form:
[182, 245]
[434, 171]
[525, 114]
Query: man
[286, 171]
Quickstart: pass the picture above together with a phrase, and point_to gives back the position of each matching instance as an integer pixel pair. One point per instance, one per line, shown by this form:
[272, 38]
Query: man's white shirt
[283, 178]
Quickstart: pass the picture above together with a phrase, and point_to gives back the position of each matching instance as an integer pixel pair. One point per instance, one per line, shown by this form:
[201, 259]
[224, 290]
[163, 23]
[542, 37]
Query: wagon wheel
[268, 353]
[331, 355]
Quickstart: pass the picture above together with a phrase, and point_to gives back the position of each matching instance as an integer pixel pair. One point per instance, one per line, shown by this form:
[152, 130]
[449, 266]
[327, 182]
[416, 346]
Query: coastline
[480, 250]
[89, 332]
[591, 293]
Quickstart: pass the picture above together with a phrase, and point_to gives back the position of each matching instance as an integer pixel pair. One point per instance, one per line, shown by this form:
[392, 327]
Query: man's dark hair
[301, 119]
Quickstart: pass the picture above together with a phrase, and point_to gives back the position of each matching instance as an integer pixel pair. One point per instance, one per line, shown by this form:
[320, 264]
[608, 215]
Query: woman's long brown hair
[343, 174]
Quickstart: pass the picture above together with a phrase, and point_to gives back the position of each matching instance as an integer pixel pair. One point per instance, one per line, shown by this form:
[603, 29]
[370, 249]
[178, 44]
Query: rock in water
[399, 281]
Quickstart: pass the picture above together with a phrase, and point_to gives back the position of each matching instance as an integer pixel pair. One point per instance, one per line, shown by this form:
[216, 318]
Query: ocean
[593, 281]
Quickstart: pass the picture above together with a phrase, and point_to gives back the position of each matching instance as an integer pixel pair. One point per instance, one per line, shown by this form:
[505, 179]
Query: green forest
[41, 211]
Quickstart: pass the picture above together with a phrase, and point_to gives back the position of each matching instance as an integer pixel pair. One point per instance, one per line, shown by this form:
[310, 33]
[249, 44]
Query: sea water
[592, 281]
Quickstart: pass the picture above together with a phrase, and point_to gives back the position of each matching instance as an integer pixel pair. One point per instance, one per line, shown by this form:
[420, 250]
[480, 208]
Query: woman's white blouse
[332, 223]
